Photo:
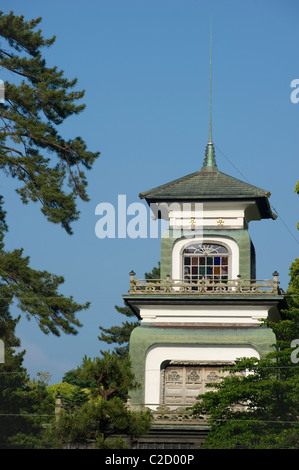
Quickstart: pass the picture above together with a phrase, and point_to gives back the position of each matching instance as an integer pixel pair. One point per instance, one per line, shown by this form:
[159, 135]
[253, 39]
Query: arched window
[205, 260]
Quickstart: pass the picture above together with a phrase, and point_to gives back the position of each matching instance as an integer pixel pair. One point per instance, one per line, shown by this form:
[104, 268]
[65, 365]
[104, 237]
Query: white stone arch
[180, 245]
[159, 353]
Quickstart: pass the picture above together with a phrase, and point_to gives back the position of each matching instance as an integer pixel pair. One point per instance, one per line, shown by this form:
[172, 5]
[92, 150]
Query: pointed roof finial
[209, 163]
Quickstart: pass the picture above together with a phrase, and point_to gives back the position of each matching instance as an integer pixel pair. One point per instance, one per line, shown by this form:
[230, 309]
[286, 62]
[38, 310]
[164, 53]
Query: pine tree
[25, 405]
[48, 169]
[105, 419]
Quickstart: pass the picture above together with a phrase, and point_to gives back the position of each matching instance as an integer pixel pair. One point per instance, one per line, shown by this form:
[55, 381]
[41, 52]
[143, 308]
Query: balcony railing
[166, 414]
[170, 286]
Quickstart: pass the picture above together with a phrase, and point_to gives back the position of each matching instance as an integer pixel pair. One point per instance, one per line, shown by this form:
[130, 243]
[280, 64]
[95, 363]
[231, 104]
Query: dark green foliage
[47, 168]
[74, 377]
[266, 401]
[71, 395]
[25, 406]
[121, 334]
[105, 418]
[154, 274]
[260, 409]
[37, 293]
[100, 422]
[113, 375]
[31, 150]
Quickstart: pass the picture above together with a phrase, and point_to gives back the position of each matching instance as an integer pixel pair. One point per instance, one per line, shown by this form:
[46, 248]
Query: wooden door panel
[183, 384]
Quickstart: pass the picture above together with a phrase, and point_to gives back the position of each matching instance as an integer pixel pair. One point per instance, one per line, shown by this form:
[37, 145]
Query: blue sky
[145, 67]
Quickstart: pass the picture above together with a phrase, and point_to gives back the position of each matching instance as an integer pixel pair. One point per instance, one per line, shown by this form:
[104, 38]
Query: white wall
[204, 314]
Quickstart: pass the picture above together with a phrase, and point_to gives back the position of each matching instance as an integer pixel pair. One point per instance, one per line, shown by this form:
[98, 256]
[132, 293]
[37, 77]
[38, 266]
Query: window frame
[202, 262]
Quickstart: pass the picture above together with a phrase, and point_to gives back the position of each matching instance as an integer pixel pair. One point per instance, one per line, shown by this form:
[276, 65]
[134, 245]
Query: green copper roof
[206, 185]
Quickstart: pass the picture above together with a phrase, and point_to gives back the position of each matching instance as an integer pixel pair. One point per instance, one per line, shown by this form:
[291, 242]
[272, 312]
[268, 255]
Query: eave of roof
[207, 185]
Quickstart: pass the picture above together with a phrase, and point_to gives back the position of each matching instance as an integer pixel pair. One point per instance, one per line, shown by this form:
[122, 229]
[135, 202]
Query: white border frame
[157, 354]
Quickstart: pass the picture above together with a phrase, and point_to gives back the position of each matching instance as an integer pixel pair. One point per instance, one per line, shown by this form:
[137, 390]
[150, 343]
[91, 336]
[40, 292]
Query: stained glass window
[205, 260]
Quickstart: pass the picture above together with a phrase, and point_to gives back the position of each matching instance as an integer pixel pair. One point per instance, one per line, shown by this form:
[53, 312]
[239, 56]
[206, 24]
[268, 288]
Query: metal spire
[210, 125]
[209, 163]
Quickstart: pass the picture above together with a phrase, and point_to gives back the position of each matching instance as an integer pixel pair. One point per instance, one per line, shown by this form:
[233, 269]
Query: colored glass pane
[206, 260]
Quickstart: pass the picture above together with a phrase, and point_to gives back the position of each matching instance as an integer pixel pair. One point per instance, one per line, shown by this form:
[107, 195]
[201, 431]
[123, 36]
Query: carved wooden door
[183, 384]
